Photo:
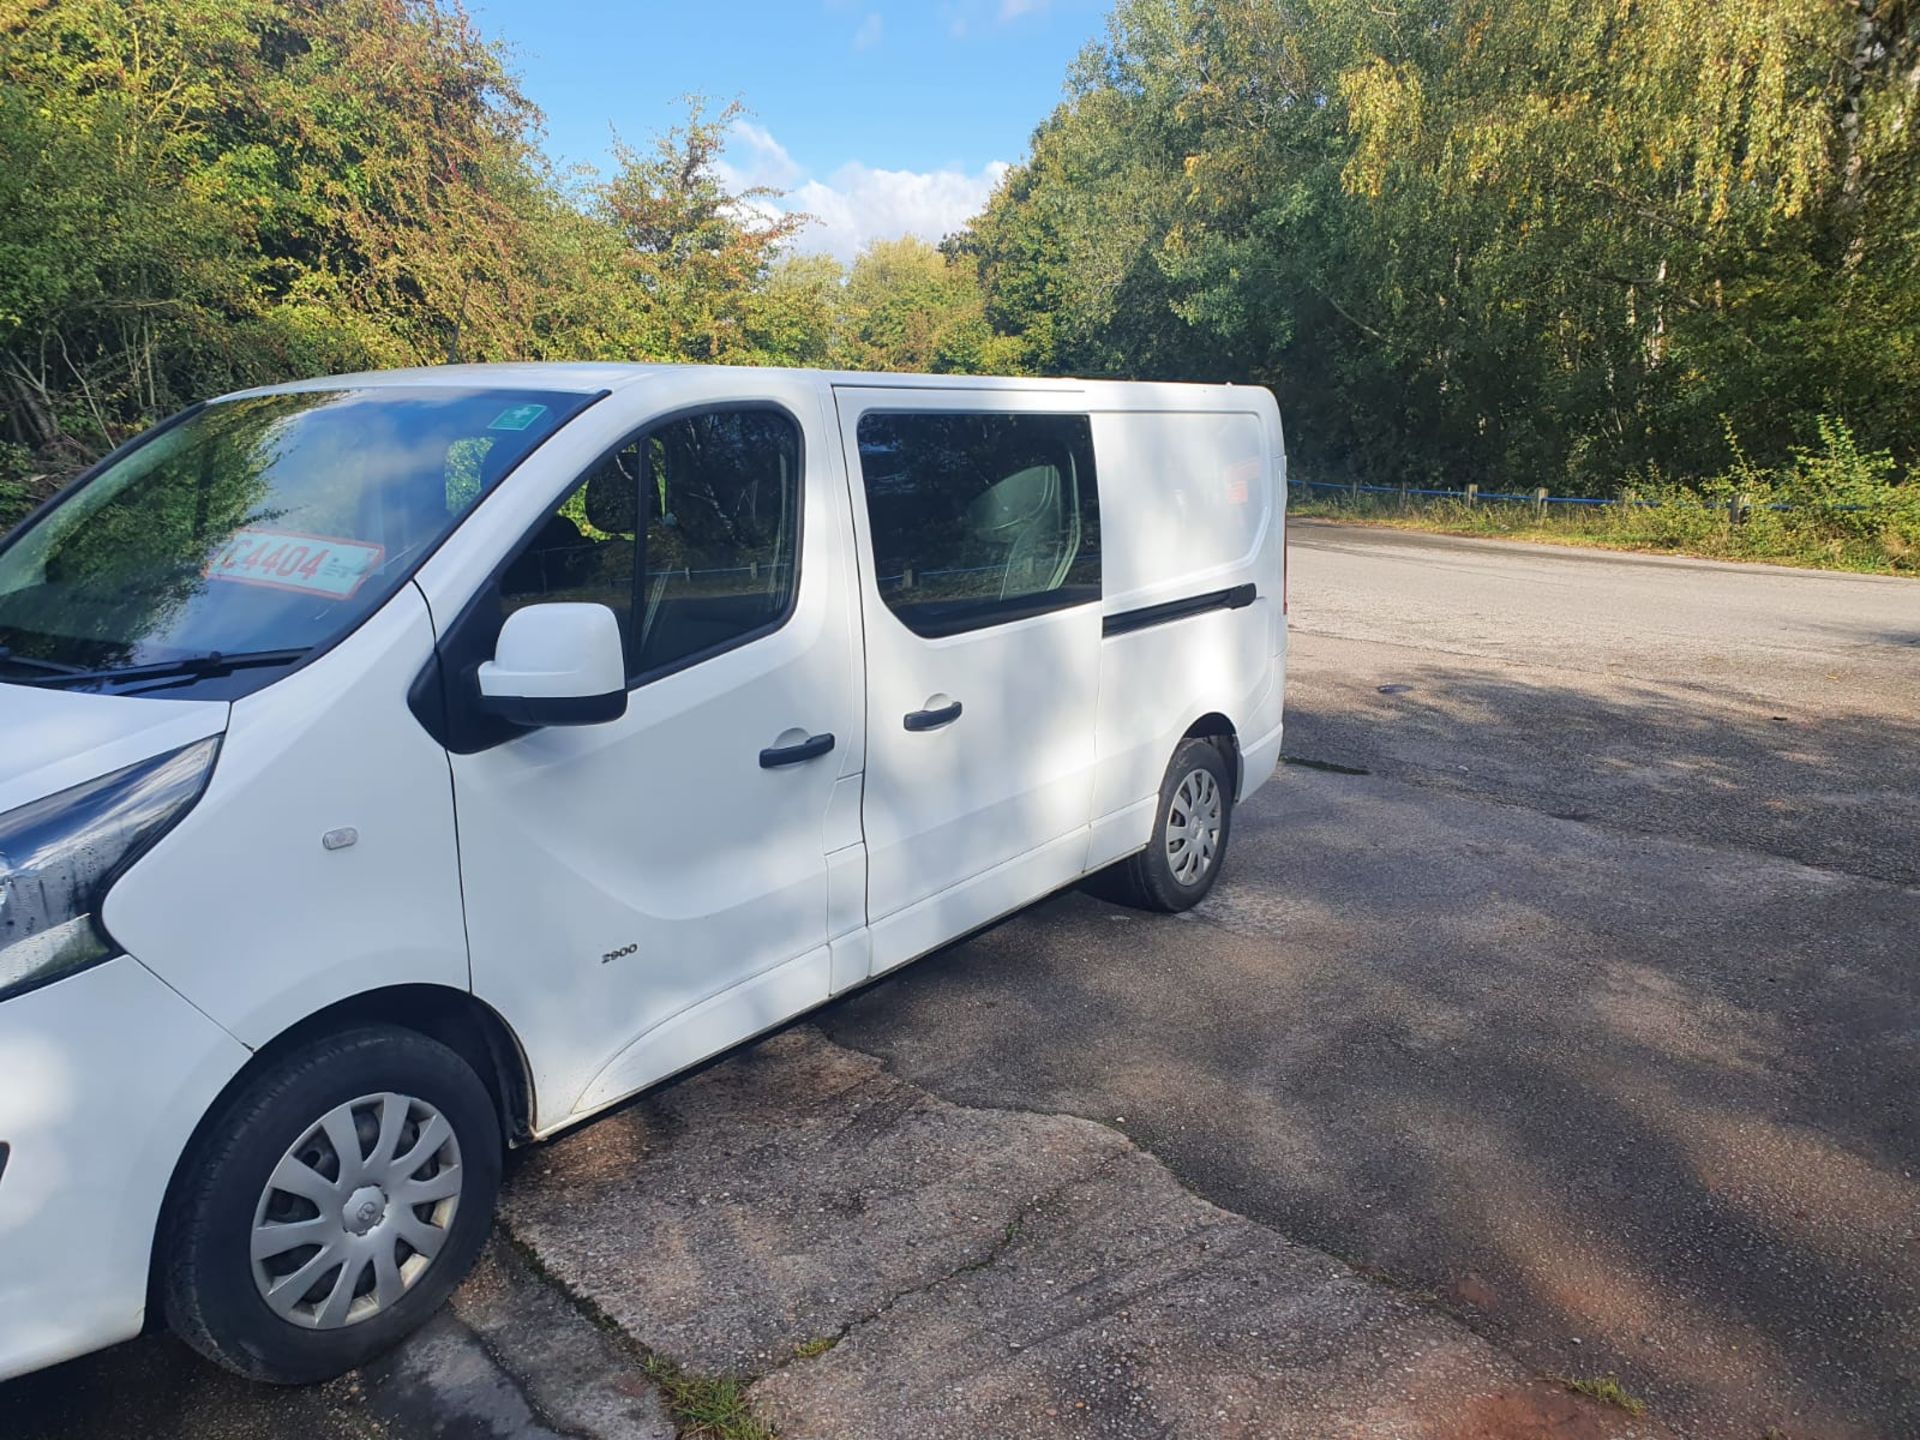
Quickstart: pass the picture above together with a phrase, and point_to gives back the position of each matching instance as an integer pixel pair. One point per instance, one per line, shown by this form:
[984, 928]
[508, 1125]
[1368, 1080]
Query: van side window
[978, 519]
[721, 496]
[584, 551]
[690, 533]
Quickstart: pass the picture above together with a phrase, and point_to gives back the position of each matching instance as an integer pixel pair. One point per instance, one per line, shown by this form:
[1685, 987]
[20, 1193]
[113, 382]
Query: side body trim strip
[1236, 598]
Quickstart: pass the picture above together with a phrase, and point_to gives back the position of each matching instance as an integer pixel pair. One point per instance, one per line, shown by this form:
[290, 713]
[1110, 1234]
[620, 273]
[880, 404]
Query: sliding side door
[978, 523]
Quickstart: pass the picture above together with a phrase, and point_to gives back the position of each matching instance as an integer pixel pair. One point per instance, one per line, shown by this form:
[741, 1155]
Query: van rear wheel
[331, 1206]
[1190, 834]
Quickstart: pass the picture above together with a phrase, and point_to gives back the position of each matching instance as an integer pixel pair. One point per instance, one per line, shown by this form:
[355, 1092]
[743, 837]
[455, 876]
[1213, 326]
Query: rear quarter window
[979, 518]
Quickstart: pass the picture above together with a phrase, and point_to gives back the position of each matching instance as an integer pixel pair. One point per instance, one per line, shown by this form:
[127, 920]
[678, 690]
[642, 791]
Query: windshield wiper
[193, 667]
[29, 662]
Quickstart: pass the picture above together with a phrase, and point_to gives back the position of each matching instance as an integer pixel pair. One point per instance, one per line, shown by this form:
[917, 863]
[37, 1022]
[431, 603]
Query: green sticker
[519, 417]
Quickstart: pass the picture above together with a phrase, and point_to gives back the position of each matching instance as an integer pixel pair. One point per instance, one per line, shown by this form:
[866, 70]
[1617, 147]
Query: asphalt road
[1589, 1011]
[1754, 707]
[1566, 987]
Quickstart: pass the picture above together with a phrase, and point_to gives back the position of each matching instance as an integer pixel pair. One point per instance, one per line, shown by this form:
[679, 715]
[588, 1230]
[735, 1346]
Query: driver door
[642, 893]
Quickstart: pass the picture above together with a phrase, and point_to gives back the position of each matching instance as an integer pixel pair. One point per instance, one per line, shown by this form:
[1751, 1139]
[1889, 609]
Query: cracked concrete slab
[778, 1198]
[511, 1359]
[574, 1376]
[953, 1272]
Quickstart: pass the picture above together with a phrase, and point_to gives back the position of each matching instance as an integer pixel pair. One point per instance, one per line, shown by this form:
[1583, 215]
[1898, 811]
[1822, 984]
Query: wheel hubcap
[356, 1211]
[1193, 827]
[366, 1208]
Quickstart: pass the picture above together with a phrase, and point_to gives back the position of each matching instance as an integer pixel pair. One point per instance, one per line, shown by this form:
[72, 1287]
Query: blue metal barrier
[1478, 495]
[1475, 496]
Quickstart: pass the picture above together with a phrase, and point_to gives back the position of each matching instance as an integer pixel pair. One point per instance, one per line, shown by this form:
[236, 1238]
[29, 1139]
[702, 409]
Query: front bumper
[103, 1077]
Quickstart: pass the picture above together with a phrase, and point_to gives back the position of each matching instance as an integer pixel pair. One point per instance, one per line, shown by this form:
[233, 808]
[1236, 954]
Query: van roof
[590, 377]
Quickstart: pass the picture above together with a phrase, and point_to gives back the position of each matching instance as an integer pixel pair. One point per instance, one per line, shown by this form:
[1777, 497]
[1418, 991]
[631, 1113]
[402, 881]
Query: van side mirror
[557, 664]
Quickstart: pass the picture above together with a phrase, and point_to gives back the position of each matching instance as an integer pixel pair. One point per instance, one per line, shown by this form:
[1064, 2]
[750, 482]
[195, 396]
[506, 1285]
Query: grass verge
[1676, 530]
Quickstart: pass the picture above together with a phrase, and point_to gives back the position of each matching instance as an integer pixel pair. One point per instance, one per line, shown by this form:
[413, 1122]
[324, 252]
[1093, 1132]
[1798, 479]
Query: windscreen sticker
[287, 560]
[517, 417]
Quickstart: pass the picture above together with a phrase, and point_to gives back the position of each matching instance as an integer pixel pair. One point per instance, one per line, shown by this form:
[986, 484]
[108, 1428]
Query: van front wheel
[331, 1205]
[1190, 834]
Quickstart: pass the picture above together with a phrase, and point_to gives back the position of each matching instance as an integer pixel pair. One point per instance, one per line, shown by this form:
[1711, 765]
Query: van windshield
[253, 531]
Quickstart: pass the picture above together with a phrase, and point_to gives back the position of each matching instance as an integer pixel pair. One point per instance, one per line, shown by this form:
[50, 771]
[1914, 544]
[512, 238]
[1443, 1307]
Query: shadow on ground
[1835, 787]
[156, 1389]
[1626, 1104]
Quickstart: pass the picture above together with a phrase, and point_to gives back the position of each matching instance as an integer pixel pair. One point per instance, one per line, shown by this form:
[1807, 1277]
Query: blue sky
[881, 117]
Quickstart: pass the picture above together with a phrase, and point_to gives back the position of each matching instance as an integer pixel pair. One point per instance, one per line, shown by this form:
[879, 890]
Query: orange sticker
[1240, 476]
[288, 560]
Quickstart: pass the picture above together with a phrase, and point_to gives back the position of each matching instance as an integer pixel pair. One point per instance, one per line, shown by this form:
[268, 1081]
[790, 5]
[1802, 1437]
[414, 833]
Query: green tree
[1516, 244]
[197, 195]
[697, 253]
[204, 194]
[799, 306]
[907, 307]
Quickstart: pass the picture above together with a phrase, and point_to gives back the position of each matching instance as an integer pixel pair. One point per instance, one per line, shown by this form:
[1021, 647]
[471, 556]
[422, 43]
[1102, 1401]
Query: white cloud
[856, 204]
[871, 28]
[768, 162]
[966, 18]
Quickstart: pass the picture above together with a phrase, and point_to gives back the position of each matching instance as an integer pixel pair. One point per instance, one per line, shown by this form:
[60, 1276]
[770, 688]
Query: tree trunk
[29, 408]
[1886, 41]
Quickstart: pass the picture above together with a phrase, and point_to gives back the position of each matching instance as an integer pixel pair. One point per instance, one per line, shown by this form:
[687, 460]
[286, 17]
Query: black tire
[207, 1280]
[1148, 880]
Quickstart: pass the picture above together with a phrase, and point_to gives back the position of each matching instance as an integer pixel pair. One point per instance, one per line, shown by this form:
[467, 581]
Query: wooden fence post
[1406, 500]
[1540, 503]
[1473, 493]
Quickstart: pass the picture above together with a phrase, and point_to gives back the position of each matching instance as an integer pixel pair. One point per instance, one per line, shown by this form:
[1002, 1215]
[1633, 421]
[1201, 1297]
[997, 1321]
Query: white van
[399, 767]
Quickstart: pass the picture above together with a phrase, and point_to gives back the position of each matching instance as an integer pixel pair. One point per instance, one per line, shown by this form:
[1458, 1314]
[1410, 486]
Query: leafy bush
[199, 195]
[1835, 505]
[16, 493]
[1849, 491]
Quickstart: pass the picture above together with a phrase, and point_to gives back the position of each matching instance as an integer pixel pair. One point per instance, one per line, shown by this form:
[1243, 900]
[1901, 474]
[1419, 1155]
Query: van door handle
[933, 719]
[811, 748]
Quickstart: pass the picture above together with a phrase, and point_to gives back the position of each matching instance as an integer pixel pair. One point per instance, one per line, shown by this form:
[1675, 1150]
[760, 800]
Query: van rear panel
[1193, 514]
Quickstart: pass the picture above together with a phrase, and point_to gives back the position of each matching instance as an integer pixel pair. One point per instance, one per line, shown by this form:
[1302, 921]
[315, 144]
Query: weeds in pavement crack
[1608, 1390]
[703, 1407]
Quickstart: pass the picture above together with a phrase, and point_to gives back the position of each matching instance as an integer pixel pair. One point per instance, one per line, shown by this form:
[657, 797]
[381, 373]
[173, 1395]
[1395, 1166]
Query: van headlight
[59, 855]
